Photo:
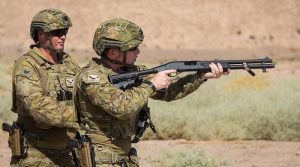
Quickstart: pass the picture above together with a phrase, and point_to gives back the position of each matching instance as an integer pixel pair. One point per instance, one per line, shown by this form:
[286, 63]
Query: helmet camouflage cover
[117, 33]
[49, 20]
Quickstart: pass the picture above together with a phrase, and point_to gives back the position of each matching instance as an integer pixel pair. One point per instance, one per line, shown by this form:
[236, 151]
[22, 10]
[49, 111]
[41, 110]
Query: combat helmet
[117, 33]
[49, 20]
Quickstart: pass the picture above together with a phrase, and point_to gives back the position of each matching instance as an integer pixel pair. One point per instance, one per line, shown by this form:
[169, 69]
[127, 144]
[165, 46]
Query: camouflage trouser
[41, 157]
[105, 157]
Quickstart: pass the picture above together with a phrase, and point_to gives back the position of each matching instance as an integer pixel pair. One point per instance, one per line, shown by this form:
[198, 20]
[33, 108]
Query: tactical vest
[100, 126]
[56, 81]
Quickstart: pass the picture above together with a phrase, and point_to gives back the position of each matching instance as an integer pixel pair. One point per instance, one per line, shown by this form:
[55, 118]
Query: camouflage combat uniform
[44, 106]
[109, 114]
[42, 98]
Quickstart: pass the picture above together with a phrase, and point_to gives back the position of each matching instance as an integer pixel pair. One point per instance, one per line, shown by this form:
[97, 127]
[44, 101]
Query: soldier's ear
[113, 53]
[42, 36]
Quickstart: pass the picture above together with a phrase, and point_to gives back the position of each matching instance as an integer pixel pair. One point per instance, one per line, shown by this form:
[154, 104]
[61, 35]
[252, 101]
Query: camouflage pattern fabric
[49, 20]
[41, 157]
[109, 114]
[45, 110]
[180, 87]
[117, 33]
[106, 157]
[48, 122]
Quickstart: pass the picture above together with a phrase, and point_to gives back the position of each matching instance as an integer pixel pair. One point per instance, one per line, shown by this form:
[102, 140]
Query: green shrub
[180, 157]
[236, 107]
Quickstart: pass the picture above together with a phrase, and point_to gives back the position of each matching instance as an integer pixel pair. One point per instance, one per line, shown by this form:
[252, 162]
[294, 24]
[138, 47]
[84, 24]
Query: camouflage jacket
[111, 112]
[42, 94]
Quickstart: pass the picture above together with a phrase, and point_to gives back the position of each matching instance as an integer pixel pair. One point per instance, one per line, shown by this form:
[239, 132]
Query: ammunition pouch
[63, 95]
[17, 141]
[82, 151]
[106, 155]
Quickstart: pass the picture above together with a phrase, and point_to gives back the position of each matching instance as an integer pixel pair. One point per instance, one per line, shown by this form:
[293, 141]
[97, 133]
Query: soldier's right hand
[161, 80]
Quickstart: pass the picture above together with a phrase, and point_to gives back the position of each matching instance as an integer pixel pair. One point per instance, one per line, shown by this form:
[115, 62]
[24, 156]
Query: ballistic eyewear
[59, 32]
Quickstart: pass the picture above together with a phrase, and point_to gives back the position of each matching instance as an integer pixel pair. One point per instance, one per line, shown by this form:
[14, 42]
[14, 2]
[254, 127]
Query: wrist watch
[150, 84]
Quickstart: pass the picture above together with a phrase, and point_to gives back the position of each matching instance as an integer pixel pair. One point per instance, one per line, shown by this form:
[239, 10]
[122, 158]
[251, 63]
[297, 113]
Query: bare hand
[161, 80]
[216, 71]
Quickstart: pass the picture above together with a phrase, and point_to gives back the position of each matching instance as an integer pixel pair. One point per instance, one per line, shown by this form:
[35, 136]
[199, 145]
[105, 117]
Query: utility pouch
[143, 122]
[17, 141]
[82, 151]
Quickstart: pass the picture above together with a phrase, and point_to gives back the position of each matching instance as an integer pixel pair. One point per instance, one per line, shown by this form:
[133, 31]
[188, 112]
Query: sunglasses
[59, 32]
[133, 49]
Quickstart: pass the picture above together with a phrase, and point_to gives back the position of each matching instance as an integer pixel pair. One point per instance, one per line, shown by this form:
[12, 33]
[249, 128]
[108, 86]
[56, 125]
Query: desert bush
[236, 107]
[178, 157]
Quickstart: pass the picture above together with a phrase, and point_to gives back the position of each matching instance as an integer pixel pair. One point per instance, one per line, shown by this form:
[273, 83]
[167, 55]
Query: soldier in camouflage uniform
[42, 93]
[108, 114]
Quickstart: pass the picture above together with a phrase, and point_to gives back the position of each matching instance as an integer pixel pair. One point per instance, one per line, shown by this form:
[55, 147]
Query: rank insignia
[93, 78]
[27, 72]
[69, 82]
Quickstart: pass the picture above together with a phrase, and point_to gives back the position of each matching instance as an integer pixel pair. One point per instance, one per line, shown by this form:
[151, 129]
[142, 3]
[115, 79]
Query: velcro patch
[26, 72]
[69, 82]
[93, 79]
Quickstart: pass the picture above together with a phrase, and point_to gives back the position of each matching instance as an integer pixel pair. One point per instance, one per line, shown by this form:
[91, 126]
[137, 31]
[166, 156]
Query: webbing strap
[42, 72]
[43, 76]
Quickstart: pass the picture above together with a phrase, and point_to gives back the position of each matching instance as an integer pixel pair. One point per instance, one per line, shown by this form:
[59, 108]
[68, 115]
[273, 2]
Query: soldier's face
[58, 38]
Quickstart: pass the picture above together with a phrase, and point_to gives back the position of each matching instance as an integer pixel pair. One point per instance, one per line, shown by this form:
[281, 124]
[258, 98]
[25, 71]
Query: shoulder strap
[72, 61]
[42, 74]
[42, 71]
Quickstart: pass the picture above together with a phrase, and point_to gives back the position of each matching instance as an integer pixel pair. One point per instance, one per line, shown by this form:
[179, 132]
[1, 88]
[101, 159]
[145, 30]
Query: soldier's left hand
[216, 71]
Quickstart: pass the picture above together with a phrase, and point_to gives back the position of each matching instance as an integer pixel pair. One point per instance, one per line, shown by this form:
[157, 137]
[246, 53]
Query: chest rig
[91, 118]
[97, 121]
[56, 79]
[60, 82]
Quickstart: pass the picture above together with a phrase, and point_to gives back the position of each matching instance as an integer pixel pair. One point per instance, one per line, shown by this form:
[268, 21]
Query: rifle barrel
[250, 66]
[264, 60]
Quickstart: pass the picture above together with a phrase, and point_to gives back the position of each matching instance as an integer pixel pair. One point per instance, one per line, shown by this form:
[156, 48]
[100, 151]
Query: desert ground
[179, 30]
[228, 153]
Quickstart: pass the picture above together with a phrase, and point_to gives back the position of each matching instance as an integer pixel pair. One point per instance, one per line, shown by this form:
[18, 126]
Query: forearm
[181, 88]
[47, 112]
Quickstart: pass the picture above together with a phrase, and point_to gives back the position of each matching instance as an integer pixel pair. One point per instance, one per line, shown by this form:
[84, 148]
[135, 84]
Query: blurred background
[269, 27]
[234, 108]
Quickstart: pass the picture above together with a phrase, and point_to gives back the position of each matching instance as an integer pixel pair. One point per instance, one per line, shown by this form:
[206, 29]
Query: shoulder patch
[27, 72]
[93, 79]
